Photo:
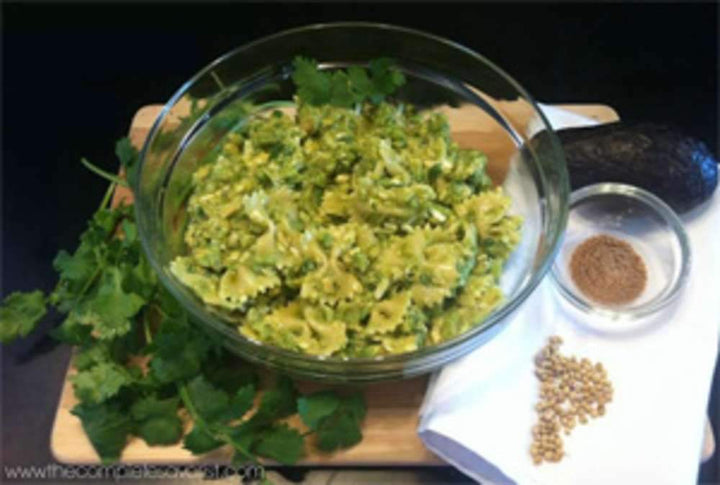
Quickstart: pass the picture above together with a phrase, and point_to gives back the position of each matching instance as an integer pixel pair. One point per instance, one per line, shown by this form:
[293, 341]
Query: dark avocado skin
[661, 159]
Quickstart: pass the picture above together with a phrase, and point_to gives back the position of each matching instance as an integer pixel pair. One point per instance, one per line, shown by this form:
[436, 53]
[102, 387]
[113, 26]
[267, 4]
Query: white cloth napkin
[478, 412]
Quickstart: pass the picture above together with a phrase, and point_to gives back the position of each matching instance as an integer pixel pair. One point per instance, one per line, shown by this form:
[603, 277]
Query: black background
[74, 75]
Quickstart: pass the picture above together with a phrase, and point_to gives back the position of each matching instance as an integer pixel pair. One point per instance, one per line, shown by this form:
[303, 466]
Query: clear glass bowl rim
[674, 223]
[309, 361]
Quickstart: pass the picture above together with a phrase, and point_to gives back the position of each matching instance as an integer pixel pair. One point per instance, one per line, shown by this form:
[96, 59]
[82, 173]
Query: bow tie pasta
[347, 233]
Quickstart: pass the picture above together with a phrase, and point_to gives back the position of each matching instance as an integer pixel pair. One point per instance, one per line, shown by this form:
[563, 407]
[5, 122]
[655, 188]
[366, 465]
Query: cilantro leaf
[239, 459]
[100, 382]
[361, 82]
[141, 279]
[341, 92]
[107, 426]
[78, 271]
[227, 373]
[200, 440]
[170, 307]
[243, 438]
[72, 331]
[313, 86]
[210, 403]
[157, 420]
[355, 406]
[129, 231]
[338, 431]
[345, 88]
[276, 403]
[341, 428]
[241, 402]
[215, 405]
[111, 309]
[161, 430]
[281, 443]
[179, 350]
[122, 348]
[150, 406]
[129, 157]
[385, 79]
[102, 226]
[20, 314]
[78, 268]
[314, 407]
[90, 356]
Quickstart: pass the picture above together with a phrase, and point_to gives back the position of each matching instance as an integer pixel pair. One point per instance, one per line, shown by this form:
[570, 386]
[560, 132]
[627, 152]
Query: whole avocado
[661, 159]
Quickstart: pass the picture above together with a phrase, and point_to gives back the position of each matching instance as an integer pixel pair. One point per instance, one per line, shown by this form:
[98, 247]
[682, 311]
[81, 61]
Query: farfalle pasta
[346, 232]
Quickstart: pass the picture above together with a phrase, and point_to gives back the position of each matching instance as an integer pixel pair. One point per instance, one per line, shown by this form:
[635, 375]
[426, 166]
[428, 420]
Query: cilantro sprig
[142, 368]
[20, 314]
[346, 88]
[335, 419]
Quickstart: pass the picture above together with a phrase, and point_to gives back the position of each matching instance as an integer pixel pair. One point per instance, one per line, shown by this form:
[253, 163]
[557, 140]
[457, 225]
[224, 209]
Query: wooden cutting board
[389, 431]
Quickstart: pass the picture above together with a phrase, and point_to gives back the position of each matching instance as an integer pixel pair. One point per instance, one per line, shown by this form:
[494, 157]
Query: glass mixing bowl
[479, 97]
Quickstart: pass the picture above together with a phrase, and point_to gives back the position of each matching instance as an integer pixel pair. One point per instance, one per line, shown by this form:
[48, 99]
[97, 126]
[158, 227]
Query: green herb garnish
[346, 88]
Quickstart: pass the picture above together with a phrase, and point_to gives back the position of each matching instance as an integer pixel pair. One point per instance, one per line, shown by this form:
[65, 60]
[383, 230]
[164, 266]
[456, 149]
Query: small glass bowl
[649, 225]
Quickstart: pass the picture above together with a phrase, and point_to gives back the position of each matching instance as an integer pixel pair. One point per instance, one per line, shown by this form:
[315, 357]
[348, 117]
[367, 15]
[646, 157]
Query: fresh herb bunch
[142, 368]
[346, 88]
[140, 362]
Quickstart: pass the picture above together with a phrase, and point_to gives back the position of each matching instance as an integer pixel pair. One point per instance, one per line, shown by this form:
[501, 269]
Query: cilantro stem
[102, 173]
[108, 195]
[146, 327]
[185, 397]
[89, 283]
[240, 449]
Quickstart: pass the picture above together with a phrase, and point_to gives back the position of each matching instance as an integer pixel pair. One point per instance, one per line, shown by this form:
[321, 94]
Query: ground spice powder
[608, 270]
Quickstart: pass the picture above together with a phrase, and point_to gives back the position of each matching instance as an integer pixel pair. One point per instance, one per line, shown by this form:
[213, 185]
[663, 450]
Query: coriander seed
[572, 390]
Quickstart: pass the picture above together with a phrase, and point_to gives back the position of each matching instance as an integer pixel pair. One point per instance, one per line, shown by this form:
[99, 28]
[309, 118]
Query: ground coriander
[608, 270]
